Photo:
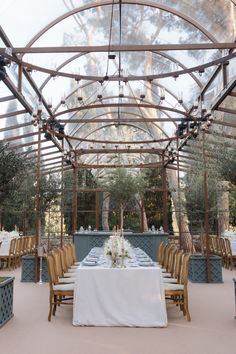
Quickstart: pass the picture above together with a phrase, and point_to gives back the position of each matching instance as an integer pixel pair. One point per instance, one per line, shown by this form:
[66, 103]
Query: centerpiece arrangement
[117, 248]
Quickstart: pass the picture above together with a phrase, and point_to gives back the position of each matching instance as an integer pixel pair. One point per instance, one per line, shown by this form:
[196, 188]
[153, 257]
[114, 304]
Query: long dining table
[127, 296]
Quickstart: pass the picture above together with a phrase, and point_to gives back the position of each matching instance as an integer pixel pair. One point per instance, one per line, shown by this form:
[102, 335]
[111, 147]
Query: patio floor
[211, 331]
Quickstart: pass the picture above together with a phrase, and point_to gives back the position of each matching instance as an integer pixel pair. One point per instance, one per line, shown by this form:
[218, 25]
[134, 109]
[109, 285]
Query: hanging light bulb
[201, 71]
[99, 95]
[162, 93]
[125, 75]
[195, 105]
[175, 68]
[203, 108]
[180, 97]
[50, 102]
[79, 94]
[40, 106]
[63, 100]
[35, 112]
[121, 91]
[142, 94]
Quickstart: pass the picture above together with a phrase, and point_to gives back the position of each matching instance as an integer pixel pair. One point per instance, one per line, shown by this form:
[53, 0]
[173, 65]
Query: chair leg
[50, 308]
[186, 306]
[54, 305]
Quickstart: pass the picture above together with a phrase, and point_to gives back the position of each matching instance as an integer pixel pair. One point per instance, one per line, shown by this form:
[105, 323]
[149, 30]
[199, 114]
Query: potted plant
[6, 299]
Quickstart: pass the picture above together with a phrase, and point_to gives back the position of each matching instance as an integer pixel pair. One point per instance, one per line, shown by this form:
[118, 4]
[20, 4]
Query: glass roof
[113, 74]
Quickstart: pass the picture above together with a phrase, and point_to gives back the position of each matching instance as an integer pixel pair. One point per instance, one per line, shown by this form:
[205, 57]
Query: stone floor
[211, 331]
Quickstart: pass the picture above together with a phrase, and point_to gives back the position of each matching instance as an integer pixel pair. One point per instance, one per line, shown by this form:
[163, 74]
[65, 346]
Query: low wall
[148, 241]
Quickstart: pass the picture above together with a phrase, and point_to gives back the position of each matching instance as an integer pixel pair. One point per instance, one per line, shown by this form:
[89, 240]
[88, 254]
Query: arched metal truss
[149, 116]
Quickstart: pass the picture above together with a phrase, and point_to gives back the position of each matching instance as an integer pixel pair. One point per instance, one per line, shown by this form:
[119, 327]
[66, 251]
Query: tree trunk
[105, 211]
[180, 214]
[140, 207]
[121, 216]
[223, 207]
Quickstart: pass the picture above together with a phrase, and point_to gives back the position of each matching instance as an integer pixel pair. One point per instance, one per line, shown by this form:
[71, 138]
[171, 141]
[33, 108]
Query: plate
[87, 263]
[146, 264]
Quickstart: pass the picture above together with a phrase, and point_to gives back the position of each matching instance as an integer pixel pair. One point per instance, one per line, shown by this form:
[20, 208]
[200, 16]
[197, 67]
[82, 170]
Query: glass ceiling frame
[24, 68]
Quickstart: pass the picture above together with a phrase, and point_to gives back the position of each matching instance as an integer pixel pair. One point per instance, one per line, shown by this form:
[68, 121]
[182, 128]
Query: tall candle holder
[40, 255]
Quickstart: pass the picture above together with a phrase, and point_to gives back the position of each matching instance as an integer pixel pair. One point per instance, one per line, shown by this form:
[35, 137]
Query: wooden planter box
[6, 299]
[148, 241]
[27, 269]
[198, 269]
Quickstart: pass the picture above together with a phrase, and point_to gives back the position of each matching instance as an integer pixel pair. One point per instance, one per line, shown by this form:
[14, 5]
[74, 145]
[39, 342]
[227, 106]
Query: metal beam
[226, 110]
[16, 126]
[122, 48]
[12, 114]
[123, 120]
[119, 151]
[7, 98]
[105, 105]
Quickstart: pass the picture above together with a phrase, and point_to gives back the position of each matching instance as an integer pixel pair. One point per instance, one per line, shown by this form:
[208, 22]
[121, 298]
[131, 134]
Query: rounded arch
[111, 125]
[129, 2]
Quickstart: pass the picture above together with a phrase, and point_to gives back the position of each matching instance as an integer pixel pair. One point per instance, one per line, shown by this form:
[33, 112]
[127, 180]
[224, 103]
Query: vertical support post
[62, 195]
[37, 204]
[206, 206]
[49, 231]
[19, 83]
[225, 74]
[75, 196]
[97, 210]
[142, 216]
[179, 199]
[164, 196]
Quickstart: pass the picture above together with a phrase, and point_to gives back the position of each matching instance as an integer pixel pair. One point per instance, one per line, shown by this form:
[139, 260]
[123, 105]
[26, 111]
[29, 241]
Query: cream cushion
[64, 287]
[173, 286]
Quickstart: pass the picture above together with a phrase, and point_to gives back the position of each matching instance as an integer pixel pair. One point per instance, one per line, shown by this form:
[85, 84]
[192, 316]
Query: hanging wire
[119, 63]
[110, 34]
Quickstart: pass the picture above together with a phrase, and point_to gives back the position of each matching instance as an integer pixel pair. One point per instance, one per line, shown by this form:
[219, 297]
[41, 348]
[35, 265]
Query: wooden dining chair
[230, 257]
[160, 253]
[72, 251]
[67, 272]
[178, 293]
[59, 270]
[174, 275]
[58, 293]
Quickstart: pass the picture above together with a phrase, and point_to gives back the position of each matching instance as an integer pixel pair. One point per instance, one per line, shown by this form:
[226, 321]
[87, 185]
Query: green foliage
[232, 207]
[18, 191]
[86, 200]
[194, 194]
[153, 200]
[12, 171]
[123, 186]
[220, 164]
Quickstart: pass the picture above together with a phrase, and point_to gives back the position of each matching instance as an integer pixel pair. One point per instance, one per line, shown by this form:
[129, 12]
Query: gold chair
[58, 264]
[59, 293]
[69, 258]
[174, 276]
[178, 293]
[160, 253]
[71, 247]
[67, 272]
[8, 258]
[223, 251]
[230, 257]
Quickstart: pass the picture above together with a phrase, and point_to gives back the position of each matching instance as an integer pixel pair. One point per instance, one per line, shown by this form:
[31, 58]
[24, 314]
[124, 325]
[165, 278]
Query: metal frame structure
[107, 111]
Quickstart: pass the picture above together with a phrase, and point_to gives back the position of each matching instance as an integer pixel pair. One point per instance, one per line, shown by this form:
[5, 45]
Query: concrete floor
[211, 331]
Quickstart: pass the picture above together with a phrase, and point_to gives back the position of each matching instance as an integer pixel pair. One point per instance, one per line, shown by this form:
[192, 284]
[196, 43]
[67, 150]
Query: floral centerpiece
[117, 248]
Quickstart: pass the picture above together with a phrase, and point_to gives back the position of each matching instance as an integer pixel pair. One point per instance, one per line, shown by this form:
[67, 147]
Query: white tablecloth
[119, 297]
